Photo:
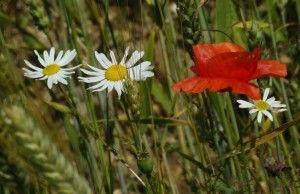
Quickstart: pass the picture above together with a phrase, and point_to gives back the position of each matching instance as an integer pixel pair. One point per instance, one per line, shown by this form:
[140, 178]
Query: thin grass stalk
[190, 19]
[231, 137]
[294, 133]
[73, 35]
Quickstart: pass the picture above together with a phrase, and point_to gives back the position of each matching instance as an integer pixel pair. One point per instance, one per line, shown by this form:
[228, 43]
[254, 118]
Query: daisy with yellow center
[52, 69]
[264, 106]
[113, 74]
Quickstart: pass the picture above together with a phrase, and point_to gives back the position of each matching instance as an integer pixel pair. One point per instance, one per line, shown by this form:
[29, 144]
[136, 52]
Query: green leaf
[146, 85]
[225, 17]
[161, 97]
[197, 163]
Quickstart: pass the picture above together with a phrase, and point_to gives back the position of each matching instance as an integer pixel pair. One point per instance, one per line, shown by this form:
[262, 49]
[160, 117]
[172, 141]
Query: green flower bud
[145, 163]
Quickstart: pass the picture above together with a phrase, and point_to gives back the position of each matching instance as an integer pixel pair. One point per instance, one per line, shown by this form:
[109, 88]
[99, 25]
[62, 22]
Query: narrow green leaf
[159, 94]
[197, 163]
[225, 17]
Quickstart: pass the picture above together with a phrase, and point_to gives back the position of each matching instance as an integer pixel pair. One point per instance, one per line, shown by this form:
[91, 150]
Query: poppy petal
[248, 89]
[270, 68]
[186, 85]
[198, 85]
[233, 65]
[236, 86]
[203, 52]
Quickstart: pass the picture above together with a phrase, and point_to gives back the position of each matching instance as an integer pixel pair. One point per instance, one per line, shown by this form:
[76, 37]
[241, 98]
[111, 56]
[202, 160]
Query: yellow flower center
[116, 73]
[51, 69]
[261, 105]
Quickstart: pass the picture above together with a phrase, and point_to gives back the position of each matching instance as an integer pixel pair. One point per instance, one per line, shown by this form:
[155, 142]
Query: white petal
[43, 78]
[58, 58]
[49, 82]
[67, 58]
[91, 72]
[146, 65]
[30, 71]
[103, 60]
[266, 93]
[113, 57]
[67, 72]
[270, 100]
[259, 116]
[119, 87]
[51, 55]
[54, 78]
[32, 66]
[253, 111]
[245, 104]
[135, 57]
[125, 56]
[138, 73]
[268, 114]
[46, 58]
[33, 75]
[64, 57]
[110, 86]
[281, 110]
[277, 104]
[91, 79]
[62, 80]
[42, 62]
[146, 74]
[100, 84]
[96, 69]
[101, 89]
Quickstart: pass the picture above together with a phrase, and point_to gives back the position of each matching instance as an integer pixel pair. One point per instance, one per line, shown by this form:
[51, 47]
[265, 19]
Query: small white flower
[52, 68]
[264, 106]
[112, 75]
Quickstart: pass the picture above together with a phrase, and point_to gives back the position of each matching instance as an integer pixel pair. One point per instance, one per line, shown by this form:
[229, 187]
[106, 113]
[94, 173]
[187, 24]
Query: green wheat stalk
[41, 153]
[38, 13]
[190, 21]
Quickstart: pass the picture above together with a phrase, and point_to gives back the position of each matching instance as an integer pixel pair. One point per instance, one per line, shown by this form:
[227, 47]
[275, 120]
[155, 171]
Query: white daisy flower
[112, 75]
[264, 106]
[52, 69]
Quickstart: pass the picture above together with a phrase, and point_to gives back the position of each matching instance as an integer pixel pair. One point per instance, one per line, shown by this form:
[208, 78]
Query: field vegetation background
[151, 140]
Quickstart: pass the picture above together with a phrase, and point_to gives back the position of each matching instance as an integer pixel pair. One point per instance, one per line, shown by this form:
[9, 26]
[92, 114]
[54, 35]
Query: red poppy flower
[227, 66]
